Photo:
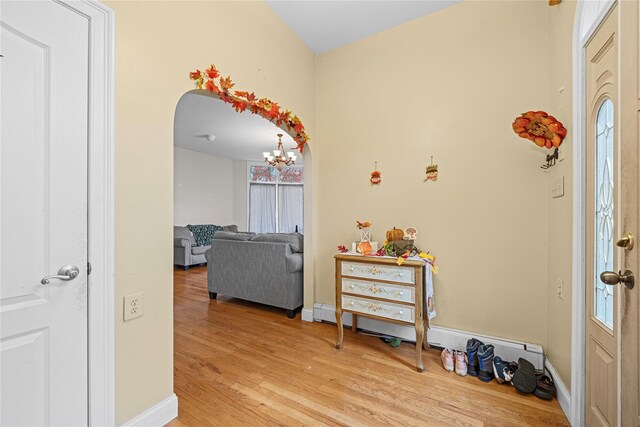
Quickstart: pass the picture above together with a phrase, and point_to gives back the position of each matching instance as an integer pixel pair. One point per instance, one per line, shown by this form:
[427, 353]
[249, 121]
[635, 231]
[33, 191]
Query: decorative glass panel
[603, 301]
[262, 174]
[291, 175]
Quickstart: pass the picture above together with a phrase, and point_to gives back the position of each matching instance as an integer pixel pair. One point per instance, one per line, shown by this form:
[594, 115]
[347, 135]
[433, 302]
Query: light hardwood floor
[238, 363]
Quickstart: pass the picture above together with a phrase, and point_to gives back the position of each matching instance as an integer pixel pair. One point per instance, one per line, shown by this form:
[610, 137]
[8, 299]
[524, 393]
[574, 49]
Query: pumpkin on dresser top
[394, 234]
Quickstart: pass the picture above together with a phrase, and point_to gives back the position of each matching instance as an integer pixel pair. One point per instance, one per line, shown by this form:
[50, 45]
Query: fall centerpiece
[540, 128]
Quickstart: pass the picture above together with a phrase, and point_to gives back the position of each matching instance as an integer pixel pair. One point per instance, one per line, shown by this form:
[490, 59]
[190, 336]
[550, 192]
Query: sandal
[524, 379]
[545, 387]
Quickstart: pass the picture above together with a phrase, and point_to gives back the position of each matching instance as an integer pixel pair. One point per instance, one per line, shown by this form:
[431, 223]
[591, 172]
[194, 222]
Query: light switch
[557, 187]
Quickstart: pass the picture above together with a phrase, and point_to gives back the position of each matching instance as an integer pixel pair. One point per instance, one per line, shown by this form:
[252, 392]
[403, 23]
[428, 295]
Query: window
[276, 199]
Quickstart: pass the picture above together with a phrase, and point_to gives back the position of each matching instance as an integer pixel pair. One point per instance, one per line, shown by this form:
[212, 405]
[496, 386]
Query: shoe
[545, 387]
[502, 370]
[524, 379]
[461, 363]
[485, 358]
[473, 366]
[447, 359]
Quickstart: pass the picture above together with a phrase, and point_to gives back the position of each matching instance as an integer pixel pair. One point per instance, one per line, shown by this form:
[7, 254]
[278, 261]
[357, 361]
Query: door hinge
[88, 268]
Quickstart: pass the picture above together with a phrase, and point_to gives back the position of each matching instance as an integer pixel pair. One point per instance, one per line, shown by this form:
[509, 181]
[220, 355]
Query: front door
[43, 214]
[603, 225]
[612, 219]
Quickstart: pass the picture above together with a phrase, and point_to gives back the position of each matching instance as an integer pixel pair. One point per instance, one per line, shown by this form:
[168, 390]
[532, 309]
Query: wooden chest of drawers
[381, 289]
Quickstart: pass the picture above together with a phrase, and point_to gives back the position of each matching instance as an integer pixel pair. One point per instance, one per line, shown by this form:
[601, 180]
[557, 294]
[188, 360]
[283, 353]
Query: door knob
[626, 241]
[612, 278]
[68, 272]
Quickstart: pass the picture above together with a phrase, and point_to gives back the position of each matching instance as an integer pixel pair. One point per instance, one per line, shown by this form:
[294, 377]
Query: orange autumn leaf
[226, 83]
[241, 93]
[251, 97]
[239, 105]
[211, 86]
[195, 75]
[212, 72]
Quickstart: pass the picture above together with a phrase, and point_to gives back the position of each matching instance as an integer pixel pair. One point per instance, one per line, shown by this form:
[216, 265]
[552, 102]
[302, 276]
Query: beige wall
[447, 85]
[560, 214]
[202, 188]
[157, 44]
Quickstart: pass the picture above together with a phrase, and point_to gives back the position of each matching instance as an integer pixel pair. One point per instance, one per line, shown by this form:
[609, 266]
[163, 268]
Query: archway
[307, 162]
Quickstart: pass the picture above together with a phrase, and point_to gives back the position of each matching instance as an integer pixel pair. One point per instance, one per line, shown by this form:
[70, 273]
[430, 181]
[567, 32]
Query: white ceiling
[239, 136]
[325, 25]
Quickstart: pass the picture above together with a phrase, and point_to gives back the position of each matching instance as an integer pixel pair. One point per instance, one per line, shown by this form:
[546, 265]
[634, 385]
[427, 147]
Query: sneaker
[461, 363]
[502, 370]
[485, 358]
[473, 365]
[447, 359]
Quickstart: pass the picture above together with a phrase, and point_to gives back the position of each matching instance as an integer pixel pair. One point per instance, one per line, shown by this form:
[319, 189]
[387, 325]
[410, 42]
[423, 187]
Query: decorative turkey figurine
[375, 176]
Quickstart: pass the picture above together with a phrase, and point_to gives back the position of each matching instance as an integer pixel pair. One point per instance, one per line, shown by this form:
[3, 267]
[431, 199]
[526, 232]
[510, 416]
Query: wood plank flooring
[238, 363]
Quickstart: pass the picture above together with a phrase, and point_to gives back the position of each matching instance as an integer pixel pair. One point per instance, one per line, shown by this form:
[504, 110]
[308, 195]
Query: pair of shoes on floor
[454, 360]
[527, 380]
[480, 357]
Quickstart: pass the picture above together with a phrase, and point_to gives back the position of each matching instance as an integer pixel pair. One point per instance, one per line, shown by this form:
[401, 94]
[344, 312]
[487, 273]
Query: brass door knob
[613, 278]
[626, 241]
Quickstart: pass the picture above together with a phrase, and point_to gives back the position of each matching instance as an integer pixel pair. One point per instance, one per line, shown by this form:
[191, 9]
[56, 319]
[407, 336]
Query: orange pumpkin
[394, 234]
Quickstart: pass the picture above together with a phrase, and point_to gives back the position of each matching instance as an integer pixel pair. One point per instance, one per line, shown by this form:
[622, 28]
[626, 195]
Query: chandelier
[279, 159]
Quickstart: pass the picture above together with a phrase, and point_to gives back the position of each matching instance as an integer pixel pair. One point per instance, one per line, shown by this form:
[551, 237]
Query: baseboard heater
[437, 336]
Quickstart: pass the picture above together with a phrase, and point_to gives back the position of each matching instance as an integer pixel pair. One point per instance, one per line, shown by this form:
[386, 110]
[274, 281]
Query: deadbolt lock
[626, 241]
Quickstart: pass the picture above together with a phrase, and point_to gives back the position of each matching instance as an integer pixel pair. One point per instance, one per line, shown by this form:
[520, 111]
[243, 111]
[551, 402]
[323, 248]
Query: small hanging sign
[375, 176]
[432, 172]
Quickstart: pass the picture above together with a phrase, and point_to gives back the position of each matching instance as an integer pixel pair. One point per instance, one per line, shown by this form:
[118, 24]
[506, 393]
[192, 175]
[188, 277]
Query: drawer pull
[351, 303]
[401, 293]
[400, 312]
[352, 268]
[352, 286]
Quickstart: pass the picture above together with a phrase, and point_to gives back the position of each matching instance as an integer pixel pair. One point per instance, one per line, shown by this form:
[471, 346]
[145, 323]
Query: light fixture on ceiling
[210, 137]
[279, 159]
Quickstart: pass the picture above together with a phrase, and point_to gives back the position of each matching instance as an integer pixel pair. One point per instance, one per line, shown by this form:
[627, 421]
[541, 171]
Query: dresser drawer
[381, 290]
[379, 308]
[382, 272]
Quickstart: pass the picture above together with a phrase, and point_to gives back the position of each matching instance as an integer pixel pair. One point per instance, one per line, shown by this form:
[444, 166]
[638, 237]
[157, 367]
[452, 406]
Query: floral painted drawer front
[380, 290]
[378, 308]
[381, 272]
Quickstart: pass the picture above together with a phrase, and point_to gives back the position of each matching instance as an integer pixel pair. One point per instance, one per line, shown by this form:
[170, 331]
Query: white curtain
[290, 208]
[262, 208]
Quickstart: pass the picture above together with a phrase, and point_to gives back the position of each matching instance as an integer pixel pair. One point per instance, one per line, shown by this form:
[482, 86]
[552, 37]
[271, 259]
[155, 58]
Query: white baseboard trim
[437, 336]
[307, 315]
[564, 397]
[158, 415]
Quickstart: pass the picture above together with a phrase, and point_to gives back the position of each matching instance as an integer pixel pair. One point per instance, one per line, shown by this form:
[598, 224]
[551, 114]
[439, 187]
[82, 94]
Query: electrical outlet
[560, 285]
[133, 305]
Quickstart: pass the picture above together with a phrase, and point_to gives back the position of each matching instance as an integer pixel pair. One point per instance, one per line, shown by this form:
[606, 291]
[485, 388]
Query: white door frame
[101, 232]
[589, 16]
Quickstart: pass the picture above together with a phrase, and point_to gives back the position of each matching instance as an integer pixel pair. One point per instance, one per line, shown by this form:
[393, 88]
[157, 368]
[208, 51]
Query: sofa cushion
[183, 232]
[295, 240]
[199, 250]
[230, 235]
[203, 233]
[232, 227]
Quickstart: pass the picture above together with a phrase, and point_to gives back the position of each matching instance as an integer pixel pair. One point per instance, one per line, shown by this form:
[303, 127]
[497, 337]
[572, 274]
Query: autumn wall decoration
[211, 81]
[543, 130]
[540, 128]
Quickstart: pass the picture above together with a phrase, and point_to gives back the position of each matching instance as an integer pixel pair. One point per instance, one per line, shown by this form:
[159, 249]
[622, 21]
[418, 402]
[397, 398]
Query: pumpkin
[395, 234]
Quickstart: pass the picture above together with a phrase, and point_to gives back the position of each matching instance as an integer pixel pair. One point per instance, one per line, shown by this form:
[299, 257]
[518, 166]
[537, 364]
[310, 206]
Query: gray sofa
[263, 268]
[186, 253]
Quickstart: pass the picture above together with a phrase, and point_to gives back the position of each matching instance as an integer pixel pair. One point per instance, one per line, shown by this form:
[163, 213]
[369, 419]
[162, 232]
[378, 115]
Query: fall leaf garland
[211, 81]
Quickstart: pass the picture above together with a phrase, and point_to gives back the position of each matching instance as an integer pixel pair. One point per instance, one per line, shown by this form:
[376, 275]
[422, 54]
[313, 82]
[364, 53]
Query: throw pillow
[295, 240]
[230, 235]
[203, 233]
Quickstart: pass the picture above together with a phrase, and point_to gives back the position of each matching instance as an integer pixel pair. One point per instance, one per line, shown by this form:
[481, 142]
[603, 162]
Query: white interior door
[43, 214]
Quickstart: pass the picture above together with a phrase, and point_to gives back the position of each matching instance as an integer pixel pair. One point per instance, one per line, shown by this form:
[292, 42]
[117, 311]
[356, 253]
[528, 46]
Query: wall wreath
[211, 81]
[540, 128]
